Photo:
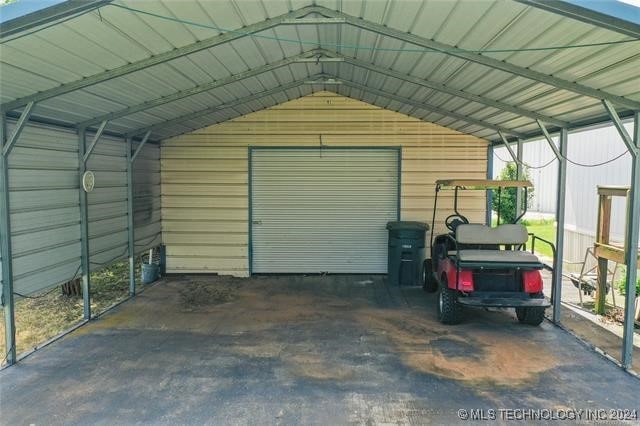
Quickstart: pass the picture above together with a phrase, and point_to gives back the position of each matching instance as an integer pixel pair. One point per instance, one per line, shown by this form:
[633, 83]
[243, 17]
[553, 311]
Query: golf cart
[476, 265]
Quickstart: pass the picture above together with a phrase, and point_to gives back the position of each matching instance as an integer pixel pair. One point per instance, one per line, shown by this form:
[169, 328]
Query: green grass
[49, 314]
[544, 229]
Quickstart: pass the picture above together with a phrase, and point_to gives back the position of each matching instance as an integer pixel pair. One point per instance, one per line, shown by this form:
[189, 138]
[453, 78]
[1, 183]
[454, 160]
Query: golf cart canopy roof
[481, 183]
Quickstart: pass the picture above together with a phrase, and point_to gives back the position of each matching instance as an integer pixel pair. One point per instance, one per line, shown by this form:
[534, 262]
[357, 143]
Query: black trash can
[406, 252]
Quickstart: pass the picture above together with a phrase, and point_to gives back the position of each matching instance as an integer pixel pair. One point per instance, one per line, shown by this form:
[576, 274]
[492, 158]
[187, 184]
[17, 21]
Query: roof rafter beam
[195, 90]
[155, 60]
[94, 142]
[313, 21]
[426, 107]
[479, 59]
[200, 113]
[615, 118]
[451, 91]
[141, 145]
[508, 146]
[547, 136]
[589, 16]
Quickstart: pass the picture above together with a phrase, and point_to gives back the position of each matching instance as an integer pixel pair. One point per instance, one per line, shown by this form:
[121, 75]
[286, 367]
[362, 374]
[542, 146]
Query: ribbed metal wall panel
[205, 207]
[108, 201]
[322, 210]
[45, 212]
[146, 198]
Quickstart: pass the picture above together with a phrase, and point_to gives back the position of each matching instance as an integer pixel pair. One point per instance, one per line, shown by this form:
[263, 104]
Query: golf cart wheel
[449, 311]
[429, 282]
[531, 316]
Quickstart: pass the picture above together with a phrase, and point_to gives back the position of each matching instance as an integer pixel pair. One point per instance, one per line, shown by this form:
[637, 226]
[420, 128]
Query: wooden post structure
[603, 248]
[603, 234]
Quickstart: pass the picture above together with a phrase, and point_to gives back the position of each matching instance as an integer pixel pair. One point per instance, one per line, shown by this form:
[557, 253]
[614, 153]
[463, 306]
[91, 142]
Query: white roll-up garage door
[322, 210]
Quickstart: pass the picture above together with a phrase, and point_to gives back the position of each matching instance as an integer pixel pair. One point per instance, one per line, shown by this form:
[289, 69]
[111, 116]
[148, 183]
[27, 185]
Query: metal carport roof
[477, 67]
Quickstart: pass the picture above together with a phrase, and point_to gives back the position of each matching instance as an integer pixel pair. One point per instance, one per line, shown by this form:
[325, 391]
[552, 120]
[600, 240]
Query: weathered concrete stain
[230, 306]
[484, 355]
[291, 350]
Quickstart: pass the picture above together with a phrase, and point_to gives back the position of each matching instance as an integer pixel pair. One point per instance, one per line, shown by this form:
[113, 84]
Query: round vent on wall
[88, 181]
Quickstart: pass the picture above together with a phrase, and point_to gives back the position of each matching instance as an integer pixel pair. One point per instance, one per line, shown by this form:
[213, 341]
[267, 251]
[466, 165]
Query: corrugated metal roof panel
[96, 42]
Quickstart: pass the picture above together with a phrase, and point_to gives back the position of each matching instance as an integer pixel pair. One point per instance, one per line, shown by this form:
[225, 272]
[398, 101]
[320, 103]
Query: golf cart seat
[469, 236]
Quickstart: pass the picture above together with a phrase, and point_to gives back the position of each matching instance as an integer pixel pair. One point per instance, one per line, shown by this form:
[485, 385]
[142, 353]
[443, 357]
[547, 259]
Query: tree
[506, 198]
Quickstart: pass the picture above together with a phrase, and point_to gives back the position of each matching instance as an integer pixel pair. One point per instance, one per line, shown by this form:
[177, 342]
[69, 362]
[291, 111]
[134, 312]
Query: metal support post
[560, 213]
[631, 247]
[519, 174]
[85, 266]
[130, 222]
[5, 249]
[490, 191]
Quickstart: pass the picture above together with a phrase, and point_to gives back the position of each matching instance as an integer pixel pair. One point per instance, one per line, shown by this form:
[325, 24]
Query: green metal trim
[130, 221]
[85, 263]
[399, 205]
[519, 172]
[631, 238]
[547, 136]
[66, 125]
[94, 142]
[513, 155]
[17, 130]
[250, 195]
[8, 301]
[141, 145]
[617, 122]
[560, 216]
[489, 194]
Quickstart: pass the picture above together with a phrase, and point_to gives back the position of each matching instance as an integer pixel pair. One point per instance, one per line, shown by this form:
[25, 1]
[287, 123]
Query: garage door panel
[322, 210]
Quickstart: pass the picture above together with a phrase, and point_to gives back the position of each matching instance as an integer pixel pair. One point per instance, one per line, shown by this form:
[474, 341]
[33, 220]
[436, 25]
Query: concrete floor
[292, 349]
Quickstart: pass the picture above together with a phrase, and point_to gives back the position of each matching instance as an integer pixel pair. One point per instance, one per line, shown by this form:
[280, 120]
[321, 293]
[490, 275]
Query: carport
[165, 101]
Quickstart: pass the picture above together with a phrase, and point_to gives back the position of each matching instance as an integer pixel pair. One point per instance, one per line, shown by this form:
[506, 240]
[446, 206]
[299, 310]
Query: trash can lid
[407, 226]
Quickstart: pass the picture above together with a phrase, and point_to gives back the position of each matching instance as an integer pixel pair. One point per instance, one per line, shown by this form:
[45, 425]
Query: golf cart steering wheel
[454, 220]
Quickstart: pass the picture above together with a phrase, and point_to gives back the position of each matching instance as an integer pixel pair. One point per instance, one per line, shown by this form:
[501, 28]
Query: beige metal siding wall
[205, 173]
